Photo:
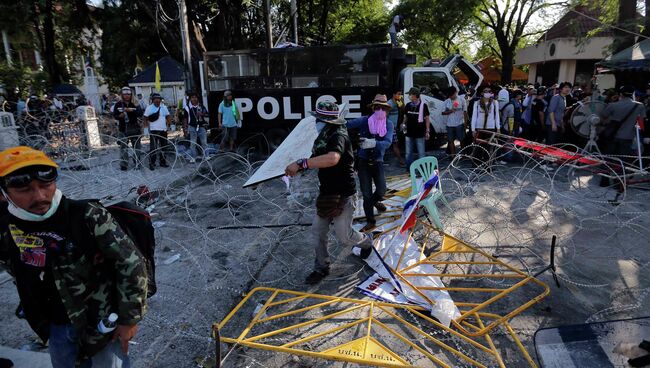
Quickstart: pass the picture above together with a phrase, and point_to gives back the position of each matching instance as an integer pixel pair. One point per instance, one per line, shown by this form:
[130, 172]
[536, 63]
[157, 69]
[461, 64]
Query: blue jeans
[369, 173]
[393, 38]
[64, 350]
[202, 134]
[410, 141]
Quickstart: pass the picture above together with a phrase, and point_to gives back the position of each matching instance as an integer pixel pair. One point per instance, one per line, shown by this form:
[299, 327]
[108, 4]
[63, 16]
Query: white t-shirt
[459, 107]
[161, 123]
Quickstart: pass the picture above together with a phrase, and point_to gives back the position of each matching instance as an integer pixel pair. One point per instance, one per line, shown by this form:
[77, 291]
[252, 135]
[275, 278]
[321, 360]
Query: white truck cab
[433, 81]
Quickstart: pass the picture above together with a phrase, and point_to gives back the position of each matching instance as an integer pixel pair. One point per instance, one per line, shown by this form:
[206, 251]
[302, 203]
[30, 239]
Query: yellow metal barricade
[357, 331]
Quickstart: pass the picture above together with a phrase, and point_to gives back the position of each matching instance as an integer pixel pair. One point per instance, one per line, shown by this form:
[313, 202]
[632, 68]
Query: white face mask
[29, 216]
[488, 95]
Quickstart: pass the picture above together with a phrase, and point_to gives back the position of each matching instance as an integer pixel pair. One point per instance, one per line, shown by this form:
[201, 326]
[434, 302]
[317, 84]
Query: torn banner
[396, 250]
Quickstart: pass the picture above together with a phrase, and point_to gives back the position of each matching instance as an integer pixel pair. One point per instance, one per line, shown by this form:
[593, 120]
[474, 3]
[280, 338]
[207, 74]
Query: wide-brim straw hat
[380, 100]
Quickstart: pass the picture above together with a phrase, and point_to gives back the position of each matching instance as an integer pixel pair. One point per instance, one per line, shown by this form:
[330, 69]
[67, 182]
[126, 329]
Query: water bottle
[107, 325]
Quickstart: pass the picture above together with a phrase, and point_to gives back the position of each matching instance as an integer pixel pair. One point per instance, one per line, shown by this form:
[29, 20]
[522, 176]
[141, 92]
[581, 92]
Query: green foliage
[435, 28]
[128, 33]
[15, 80]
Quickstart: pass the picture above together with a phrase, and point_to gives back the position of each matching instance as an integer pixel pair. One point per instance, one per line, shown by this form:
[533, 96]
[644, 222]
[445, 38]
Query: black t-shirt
[197, 115]
[414, 129]
[339, 179]
[129, 122]
[539, 105]
[38, 243]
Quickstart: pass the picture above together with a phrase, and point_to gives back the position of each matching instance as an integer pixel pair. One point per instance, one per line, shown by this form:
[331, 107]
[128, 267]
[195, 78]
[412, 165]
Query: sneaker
[316, 276]
[123, 168]
[380, 207]
[502, 163]
[152, 167]
[192, 160]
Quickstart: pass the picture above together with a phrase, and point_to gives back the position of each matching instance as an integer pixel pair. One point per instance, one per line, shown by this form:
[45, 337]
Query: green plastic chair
[425, 166]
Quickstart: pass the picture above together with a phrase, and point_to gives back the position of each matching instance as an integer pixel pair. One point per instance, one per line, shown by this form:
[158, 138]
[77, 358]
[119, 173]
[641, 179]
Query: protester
[159, 119]
[142, 103]
[376, 133]
[623, 115]
[395, 27]
[486, 113]
[485, 118]
[555, 115]
[229, 121]
[396, 105]
[517, 103]
[332, 155]
[503, 97]
[127, 112]
[65, 287]
[197, 125]
[455, 108]
[415, 125]
[538, 116]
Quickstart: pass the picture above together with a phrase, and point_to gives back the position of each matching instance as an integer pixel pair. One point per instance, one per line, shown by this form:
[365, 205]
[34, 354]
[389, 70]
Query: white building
[565, 53]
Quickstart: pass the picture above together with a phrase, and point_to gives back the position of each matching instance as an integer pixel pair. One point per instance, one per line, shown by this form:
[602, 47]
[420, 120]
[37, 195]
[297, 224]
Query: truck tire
[276, 136]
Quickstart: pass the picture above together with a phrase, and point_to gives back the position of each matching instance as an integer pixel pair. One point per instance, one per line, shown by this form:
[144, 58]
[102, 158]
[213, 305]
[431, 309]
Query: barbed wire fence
[216, 240]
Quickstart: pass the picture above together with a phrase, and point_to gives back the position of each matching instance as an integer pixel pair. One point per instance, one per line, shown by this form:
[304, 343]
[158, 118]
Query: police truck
[275, 88]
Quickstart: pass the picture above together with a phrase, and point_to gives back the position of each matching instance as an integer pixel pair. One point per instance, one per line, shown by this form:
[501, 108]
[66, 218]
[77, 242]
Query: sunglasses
[46, 175]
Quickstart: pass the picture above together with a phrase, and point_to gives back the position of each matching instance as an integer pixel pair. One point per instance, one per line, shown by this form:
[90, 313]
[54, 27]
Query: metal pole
[185, 39]
[294, 15]
[269, 27]
[5, 41]
[639, 142]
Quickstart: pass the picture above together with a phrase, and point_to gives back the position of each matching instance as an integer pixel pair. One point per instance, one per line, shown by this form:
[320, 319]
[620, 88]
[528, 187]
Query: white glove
[367, 143]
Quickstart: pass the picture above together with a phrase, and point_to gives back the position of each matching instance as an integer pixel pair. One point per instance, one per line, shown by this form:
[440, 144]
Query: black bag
[153, 117]
[134, 221]
[329, 205]
[610, 130]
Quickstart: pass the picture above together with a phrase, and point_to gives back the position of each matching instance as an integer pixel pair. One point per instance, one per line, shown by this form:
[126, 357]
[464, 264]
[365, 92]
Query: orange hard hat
[16, 158]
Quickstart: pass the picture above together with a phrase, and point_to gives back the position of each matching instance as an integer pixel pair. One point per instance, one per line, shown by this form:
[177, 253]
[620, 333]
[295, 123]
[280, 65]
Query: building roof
[66, 89]
[170, 71]
[574, 25]
[633, 58]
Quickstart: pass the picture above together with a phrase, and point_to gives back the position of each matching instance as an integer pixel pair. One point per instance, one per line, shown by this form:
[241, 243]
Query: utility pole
[294, 15]
[269, 27]
[185, 38]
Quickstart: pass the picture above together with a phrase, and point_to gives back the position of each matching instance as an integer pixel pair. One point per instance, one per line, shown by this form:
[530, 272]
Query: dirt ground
[231, 240]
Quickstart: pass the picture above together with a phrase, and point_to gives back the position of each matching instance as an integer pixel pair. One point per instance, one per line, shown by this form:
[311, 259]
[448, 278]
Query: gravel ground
[231, 240]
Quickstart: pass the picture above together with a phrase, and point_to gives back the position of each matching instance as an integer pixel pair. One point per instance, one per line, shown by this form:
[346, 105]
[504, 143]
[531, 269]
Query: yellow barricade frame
[365, 349]
[451, 245]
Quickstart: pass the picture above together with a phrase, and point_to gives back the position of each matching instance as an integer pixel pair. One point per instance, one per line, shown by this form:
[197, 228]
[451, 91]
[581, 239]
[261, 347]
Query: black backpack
[134, 221]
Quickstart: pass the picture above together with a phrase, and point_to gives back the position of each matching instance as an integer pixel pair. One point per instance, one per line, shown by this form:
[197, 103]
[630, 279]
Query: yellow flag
[157, 81]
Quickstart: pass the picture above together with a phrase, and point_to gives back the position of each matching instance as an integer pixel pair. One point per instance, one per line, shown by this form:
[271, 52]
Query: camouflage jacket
[100, 274]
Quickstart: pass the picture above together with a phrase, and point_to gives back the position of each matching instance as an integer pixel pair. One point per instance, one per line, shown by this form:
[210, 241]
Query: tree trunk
[323, 23]
[51, 65]
[507, 61]
[627, 21]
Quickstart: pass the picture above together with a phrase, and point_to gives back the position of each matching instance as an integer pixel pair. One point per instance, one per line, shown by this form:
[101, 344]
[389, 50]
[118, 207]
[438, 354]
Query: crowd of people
[532, 112]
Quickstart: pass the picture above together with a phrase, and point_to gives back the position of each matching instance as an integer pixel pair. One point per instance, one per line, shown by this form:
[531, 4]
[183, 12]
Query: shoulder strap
[635, 105]
[76, 224]
[504, 106]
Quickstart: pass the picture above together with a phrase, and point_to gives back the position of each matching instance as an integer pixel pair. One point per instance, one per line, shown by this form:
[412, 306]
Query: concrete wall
[565, 48]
